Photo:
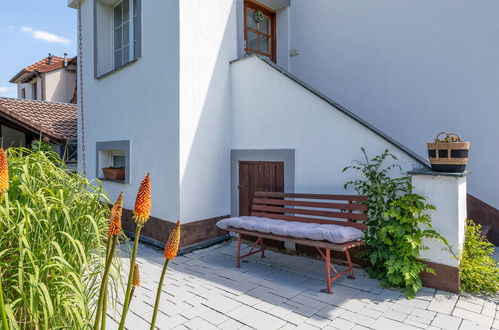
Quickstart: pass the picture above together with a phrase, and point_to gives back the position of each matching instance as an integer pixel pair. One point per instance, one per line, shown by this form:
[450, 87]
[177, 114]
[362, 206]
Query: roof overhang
[73, 3]
[12, 119]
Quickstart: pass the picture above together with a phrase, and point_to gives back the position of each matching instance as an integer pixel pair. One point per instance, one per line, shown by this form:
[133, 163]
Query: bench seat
[325, 222]
[294, 229]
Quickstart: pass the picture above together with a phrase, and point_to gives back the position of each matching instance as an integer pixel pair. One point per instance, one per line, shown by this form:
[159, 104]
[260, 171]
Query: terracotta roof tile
[56, 120]
[56, 62]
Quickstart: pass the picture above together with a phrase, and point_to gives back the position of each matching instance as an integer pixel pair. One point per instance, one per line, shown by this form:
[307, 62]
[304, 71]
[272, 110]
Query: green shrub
[396, 215]
[479, 272]
[52, 243]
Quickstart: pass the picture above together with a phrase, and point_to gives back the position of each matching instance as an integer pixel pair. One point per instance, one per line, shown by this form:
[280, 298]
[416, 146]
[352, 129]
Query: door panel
[258, 176]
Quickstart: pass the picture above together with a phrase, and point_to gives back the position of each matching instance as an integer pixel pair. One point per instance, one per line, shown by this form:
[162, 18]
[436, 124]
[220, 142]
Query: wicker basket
[448, 154]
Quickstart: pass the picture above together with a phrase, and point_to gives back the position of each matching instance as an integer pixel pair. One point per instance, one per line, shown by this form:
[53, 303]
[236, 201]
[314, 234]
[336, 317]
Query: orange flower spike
[4, 172]
[136, 276]
[142, 208]
[115, 218]
[171, 247]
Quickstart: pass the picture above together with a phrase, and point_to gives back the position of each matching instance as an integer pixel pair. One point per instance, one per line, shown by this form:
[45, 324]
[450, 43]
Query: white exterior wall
[29, 90]
[270, 111]
[208, 42]
[59, 85]
[125, 105]
[412, 68]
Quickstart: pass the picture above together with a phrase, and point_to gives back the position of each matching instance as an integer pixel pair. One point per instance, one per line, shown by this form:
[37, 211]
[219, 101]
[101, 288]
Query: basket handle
[447, 139]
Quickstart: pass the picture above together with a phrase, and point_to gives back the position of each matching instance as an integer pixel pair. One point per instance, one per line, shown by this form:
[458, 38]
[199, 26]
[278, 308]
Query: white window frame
[130, 32]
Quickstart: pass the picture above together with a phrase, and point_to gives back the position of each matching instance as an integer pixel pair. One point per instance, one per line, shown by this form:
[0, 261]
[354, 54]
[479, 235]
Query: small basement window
[113, 161]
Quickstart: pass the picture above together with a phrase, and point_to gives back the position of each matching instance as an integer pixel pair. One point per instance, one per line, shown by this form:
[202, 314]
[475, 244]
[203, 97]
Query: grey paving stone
[203, 290]
[445, 321]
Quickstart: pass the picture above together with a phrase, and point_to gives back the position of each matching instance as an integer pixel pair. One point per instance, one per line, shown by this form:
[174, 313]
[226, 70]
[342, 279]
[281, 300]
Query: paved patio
[204, 290]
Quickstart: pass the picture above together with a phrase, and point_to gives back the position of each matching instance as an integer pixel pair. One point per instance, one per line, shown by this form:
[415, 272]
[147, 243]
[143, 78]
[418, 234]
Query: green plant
[478, 271]
[52, 243]
[141, 214]
[171, 250]
[396, 217]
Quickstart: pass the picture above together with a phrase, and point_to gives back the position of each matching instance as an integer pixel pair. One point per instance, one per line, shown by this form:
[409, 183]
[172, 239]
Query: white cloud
[6, 89]
[45, 36]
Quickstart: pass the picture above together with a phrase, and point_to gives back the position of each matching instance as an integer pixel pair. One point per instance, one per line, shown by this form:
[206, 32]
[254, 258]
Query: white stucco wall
[448, 194]
[125, 105]
[413, 68]
[271, 111]
[208, 42]
[59, 85]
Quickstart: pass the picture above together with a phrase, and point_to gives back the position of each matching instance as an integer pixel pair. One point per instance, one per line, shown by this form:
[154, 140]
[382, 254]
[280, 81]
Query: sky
[29, 30]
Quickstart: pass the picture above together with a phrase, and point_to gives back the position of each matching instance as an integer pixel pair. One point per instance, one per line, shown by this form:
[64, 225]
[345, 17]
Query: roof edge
[339, 107]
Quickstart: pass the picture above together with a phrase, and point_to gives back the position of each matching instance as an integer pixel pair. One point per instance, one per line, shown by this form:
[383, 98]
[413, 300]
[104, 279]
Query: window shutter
[137, 28]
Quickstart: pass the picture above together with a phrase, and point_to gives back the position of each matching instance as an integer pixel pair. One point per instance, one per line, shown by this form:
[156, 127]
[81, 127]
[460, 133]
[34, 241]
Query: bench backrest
[344, 210]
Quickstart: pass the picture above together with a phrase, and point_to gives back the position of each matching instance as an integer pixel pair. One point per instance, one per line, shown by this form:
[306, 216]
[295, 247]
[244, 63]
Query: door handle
[241, 186]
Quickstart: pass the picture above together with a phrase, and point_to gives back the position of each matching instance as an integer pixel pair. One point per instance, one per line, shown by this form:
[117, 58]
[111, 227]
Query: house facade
[169, 89]
[52, 79]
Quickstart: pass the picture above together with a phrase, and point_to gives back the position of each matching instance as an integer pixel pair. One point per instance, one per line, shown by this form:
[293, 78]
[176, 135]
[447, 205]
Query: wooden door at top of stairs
[258, 176]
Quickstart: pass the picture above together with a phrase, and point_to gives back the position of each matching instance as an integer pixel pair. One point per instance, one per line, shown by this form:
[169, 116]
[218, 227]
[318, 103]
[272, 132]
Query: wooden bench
[343, 210]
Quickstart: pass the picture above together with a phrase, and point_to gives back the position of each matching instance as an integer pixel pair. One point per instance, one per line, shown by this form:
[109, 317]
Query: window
[122, 31]
[23, 93]
[113, 157]
[259, 30]
[118, 159]
[118, 34]
[35, 91]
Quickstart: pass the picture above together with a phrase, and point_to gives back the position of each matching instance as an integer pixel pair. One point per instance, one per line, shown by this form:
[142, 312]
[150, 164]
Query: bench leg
[262, 247]
[238, 252]
[350, 266]
[328, 271]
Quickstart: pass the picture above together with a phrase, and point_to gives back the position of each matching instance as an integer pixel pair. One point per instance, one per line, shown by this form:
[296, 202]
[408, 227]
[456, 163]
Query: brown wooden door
[259, 30]
[258, 176]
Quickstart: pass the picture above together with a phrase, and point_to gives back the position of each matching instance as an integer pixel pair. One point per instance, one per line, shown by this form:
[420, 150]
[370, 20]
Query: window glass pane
[252, 40]
[126, 33]
[118, 41]
[249, 18]
[117, 15]
[126, 54]
[126, 10]
[118, 58]
[265, 44]
[118, 161]
[265, 25]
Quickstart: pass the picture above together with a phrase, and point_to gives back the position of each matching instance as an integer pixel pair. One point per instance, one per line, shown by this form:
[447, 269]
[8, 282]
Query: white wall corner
[447, 192]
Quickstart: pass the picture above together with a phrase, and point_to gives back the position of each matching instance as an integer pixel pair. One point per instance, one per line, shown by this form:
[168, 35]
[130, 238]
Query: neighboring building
[24, 121]
[52, 79]
[168, 90]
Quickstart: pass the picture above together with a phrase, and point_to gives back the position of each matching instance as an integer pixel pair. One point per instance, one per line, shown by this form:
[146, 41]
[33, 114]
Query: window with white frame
[118, 34]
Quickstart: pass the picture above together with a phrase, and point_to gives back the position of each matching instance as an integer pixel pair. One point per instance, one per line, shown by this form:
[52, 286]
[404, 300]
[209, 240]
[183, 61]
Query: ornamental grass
[54, 227]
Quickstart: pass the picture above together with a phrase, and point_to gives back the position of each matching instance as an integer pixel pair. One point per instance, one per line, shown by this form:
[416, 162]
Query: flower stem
[130, 277]
[104, 310]
[158, 294]
[5, 324]
[103, 285]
